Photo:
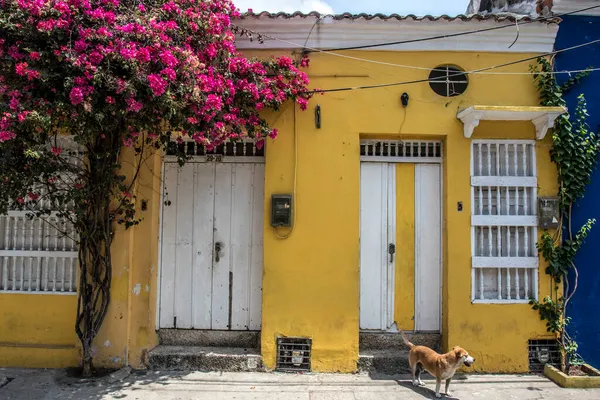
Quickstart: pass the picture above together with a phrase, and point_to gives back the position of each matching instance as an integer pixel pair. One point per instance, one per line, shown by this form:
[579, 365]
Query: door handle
[392, 251]
[218, 247]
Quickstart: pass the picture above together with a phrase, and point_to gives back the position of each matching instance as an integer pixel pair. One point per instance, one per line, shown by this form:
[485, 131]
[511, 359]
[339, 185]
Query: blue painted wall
[585, 306]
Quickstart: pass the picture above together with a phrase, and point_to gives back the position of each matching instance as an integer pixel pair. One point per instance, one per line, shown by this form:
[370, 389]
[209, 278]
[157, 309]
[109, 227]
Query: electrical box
[281, 210]
[548, 213]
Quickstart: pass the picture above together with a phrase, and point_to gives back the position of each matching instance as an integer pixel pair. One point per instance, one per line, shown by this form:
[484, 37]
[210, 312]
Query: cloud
[288, 6]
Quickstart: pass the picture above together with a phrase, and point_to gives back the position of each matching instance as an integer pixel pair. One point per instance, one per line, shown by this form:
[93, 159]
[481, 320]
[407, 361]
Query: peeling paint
[137, 289]
[107, 343]
[147, 288]
[116, 359]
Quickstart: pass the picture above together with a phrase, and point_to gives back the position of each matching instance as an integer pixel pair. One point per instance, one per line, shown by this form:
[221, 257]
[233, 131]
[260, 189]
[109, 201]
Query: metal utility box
[548, 212]
[281, 210]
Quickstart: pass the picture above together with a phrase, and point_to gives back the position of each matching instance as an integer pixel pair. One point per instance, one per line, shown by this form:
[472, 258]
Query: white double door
[211, 256]
[378, 194]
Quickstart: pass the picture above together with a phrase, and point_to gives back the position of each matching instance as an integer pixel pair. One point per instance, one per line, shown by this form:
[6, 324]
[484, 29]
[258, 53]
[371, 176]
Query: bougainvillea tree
[117, 74]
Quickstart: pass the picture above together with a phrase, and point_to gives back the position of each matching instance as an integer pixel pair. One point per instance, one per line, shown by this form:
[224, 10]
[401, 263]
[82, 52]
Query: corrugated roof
[503, 17]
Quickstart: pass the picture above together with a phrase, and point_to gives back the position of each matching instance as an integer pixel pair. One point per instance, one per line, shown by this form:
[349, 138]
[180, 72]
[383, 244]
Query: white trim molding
[324, 32]
[542, 117]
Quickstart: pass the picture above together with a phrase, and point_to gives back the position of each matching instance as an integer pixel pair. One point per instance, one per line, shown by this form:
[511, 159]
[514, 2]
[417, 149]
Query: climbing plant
[575, 152]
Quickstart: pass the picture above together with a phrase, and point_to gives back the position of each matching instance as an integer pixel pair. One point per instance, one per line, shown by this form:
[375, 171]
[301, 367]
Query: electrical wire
[466, 72]
[458, 33]
[413, 66]
[294, 205]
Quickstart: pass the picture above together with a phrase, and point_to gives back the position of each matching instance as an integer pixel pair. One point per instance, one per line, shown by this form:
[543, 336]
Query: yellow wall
[311, 279]
[37, 330]
[129, 331]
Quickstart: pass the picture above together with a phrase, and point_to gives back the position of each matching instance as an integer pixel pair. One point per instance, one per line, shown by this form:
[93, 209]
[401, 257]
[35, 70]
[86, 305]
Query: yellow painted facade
[311, 279]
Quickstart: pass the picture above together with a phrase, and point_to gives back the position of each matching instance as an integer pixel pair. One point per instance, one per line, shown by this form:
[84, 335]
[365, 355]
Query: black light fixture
[404, 99]
[318, 117]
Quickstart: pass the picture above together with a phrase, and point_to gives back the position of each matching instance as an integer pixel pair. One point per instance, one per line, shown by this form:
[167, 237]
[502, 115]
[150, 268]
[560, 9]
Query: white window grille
[504, 221]
[40, 255]
[241, 151]
[413, 151]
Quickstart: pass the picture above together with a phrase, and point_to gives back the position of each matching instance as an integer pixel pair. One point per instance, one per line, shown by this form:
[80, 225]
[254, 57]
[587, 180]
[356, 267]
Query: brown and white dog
[441, 366]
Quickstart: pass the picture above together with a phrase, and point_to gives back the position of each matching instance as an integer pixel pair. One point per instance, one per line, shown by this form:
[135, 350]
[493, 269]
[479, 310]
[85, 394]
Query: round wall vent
[448, 80]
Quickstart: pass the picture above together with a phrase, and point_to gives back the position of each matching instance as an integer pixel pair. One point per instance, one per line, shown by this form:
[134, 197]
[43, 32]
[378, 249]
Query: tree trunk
[94, 226]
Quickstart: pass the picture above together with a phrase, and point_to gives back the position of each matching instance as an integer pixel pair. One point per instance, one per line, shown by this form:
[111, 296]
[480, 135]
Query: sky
[402, 7]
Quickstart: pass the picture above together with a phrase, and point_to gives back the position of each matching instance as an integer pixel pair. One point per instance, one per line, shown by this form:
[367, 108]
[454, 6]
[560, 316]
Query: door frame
[207, 158]
[412, 153]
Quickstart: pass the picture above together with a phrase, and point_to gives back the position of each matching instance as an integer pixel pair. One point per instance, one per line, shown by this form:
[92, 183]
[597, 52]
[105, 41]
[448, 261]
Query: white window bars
[504, 221]
[411, 151]
[40, 254]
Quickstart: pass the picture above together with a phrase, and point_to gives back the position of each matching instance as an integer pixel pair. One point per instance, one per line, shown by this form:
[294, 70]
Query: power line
[400, 65]
[456, 34]
[462, 73]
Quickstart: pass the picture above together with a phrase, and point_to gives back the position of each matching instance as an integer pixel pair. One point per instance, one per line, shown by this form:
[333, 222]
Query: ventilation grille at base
[542, 352]
[293, 354]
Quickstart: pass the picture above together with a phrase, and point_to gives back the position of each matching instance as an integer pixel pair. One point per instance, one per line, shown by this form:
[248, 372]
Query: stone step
[385, 362]
[393, 341]
[205, 338]
[196, 358]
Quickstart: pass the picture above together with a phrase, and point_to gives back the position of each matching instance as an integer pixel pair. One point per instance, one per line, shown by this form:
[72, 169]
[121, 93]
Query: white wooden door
[211, 258]
[377, 232]
[428, 259]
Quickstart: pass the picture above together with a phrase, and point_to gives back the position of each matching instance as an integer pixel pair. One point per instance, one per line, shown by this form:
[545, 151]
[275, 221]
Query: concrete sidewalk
[150, 385]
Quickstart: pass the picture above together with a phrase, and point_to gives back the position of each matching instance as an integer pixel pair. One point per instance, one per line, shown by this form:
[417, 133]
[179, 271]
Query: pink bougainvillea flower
[157, 84]
[21, 69]
[76, 95]
[174, 64]
[6, 135]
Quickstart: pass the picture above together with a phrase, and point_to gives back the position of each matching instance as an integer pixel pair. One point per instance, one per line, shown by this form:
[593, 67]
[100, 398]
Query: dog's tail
[405, 340]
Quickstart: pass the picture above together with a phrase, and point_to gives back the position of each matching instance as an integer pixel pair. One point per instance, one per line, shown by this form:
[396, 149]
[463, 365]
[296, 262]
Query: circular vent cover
[448, 80]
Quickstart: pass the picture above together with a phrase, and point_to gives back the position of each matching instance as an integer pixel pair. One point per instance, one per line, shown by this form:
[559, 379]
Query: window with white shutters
[40, 255]
[504, 221]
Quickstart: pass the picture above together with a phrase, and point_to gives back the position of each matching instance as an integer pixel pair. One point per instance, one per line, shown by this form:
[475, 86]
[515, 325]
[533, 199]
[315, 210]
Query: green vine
[575, 152]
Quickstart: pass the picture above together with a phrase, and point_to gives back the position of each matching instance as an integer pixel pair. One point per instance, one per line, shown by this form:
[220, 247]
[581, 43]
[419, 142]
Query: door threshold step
[393, 341]
[196, 358]
[386, 362]
[209, 338]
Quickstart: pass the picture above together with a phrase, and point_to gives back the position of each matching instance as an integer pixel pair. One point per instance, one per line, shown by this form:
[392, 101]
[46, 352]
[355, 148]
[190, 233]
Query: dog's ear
[457, 352]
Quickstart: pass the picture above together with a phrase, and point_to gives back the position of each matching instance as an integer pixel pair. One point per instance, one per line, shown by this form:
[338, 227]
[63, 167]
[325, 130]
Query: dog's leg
[419, 371]
[438, 384]
[413, 372]
[448, 386]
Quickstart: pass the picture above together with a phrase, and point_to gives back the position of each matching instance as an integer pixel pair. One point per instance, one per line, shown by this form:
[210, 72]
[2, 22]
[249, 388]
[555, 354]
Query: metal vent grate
[401, 151]
[294, 354]
[542, 352]
[229, 149]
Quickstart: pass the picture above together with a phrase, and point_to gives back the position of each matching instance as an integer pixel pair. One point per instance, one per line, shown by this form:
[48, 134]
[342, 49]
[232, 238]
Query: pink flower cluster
[174, 64]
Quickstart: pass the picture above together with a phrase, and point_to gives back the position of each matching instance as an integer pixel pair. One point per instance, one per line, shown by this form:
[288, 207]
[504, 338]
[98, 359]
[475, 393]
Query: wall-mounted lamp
[318, 117]
[404, 99]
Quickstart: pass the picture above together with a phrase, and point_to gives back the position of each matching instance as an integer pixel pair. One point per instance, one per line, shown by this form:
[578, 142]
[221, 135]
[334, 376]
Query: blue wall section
[585, 306]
